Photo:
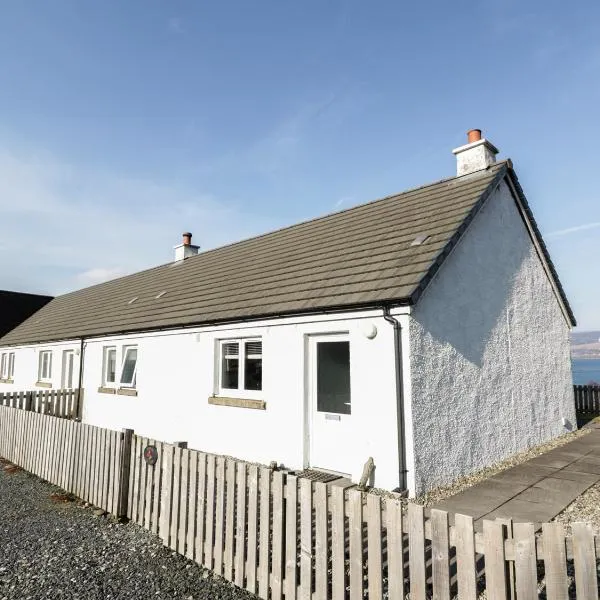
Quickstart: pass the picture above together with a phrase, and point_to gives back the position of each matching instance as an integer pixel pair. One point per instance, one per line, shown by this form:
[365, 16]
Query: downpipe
[402, 487]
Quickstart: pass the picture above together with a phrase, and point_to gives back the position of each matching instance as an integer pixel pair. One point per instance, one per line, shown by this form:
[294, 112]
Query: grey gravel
[51, 549]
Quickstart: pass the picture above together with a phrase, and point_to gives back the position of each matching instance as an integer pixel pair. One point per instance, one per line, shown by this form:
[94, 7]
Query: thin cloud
[66, 226]
[100, 275]
[569, 230]
[175, 25]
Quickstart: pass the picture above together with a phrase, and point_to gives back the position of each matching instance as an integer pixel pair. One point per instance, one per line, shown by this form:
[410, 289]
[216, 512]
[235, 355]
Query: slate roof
[15, 307]
[358, 257]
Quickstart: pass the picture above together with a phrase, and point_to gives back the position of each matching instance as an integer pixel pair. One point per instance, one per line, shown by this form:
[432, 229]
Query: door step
[320, 476]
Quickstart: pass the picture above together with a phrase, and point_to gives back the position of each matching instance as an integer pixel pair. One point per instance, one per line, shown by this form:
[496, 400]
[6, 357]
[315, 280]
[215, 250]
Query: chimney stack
[476, 155]
[186, 249]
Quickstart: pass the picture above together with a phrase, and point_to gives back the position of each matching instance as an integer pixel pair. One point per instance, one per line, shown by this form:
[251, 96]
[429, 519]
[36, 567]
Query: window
[241, 366]
[7, 366]
[68, 363]
[110, 366]
[121, 372]
[45, 366]
[129, 366]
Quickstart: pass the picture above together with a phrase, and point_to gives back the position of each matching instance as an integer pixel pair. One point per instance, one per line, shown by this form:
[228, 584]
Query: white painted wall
[176, 373]
[27, 361]
[490, 359]
[176, 376]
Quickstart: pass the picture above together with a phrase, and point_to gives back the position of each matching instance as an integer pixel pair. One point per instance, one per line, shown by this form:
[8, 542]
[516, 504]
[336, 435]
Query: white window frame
[105, 351]
[132, 384]
[66, 356]
[48, 378]
[240, 391]
[120, 355]
[7, 366]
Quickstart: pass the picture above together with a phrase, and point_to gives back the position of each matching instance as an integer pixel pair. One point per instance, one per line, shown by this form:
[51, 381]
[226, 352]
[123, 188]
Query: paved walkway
[534, 491]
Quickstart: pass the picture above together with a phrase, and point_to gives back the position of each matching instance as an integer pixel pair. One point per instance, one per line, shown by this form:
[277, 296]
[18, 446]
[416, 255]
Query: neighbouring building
[427, 330]
[15, 307]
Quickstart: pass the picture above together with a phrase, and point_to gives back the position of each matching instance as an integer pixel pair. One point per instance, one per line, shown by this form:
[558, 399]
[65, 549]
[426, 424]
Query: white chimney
[476, 155]
[186, 249]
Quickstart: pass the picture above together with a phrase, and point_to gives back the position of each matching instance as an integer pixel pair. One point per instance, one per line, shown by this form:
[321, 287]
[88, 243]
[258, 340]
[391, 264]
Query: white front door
[67, 369]
[330, 425]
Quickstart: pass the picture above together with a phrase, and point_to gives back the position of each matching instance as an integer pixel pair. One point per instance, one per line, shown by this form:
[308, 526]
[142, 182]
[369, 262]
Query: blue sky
[123, 124]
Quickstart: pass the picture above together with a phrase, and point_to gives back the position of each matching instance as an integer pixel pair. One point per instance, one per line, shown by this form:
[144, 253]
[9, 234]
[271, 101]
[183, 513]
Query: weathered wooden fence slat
[65, 404]
[587, 399]
[555, 561]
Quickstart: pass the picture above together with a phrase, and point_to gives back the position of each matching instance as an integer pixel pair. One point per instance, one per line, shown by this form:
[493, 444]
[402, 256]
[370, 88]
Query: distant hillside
[585, 344]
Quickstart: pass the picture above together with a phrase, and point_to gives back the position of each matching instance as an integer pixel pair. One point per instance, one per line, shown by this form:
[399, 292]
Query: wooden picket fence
[66, 404]
[587, 399]
[285, 537]
[81, 459]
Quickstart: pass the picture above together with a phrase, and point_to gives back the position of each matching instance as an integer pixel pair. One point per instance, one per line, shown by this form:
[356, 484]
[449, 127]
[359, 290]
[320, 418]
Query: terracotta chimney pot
[187, 239]
[473, 135]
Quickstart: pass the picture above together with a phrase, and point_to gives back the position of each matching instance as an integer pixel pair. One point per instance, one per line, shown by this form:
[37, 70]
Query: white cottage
[427, 330]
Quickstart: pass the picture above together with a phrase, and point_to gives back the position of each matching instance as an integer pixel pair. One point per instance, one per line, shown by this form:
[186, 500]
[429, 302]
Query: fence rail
[284, 537]
[587, 399]
[66, 404]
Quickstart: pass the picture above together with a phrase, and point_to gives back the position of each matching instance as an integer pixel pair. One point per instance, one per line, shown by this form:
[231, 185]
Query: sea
[586, 370]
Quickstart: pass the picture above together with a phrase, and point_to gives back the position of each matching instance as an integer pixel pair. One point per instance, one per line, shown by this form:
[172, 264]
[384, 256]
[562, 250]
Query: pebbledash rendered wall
[490, 359]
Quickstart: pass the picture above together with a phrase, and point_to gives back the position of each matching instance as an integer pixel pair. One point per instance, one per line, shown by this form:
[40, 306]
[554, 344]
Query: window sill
[43, 384]
[127, 392]
[118, 391]
[238, 402]
[106, 390]
[7, 380]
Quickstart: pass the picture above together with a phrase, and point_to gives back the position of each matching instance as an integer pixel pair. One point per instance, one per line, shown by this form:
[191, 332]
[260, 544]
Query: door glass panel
[333, 377]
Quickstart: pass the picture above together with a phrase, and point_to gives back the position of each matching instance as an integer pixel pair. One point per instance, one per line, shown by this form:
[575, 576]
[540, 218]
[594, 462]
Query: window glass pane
[3, 366]
[45, 365]
[230, 365]
[333, 377]
[11, 365]
[69, 374]
[111, 365]
[253, 366]
[129, 362]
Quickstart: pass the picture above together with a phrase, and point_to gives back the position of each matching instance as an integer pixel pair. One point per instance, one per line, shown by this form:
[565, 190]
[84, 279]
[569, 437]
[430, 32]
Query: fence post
[124, 468]
[27, 401]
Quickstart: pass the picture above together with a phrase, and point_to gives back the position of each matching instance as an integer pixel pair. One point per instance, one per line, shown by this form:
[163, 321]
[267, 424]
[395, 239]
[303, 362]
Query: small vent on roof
[132, 300]
[160, 295]
[420, 239]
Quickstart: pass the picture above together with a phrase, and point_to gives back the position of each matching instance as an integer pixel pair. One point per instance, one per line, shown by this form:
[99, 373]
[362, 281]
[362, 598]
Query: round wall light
[369, 330]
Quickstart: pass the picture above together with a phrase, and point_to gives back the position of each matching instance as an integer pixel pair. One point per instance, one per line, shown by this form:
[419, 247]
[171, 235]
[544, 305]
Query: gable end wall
[490, 356]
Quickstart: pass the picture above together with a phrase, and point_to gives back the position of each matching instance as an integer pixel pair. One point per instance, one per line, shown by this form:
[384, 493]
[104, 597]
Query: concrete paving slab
[527, 474]
[575, 476]
[553, 461]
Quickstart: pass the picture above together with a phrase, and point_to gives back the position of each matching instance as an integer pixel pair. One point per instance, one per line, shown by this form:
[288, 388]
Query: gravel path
[52, 548]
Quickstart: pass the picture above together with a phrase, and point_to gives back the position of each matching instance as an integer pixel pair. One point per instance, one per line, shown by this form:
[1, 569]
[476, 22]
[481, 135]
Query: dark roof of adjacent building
[360, 257]
[15, 307]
